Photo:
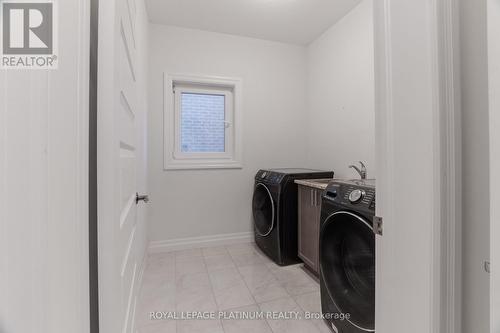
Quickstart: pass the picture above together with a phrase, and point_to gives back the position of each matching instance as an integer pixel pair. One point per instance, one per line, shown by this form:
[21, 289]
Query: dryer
[347, 256]
[275, 211]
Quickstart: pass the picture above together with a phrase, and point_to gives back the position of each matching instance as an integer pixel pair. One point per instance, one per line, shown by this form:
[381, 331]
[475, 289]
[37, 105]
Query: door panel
[126, 91]
[121, 127]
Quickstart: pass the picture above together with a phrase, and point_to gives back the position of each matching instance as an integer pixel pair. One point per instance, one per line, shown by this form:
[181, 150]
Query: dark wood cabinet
[309, 220]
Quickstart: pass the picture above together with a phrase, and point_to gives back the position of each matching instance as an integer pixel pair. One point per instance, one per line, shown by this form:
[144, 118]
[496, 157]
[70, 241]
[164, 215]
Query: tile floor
[234, 278]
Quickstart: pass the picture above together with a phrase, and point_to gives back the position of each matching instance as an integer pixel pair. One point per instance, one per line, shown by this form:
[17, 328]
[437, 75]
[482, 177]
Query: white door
[494, 93]
[121, 160]
[409, 110]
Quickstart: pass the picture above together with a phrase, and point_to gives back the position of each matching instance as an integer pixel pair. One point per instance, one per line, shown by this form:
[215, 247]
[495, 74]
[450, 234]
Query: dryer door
[347, 261]
[263, 210]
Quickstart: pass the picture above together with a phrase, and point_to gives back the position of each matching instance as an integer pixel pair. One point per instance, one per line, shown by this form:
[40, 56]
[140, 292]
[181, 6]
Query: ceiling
[289, 21]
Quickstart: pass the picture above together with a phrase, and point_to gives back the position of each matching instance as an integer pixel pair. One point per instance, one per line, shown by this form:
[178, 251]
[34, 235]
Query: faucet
[362, 171]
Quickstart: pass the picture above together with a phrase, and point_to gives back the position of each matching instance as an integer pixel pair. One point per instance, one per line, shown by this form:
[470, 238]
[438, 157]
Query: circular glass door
[263, 210]
[348, 267]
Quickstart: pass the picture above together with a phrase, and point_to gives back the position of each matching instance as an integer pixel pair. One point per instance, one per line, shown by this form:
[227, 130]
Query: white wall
[341, 116]
[44, 187]
[476, 217]
[210, 202]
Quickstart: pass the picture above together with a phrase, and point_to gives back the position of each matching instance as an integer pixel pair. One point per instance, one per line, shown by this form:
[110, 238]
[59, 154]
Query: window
[202, 123]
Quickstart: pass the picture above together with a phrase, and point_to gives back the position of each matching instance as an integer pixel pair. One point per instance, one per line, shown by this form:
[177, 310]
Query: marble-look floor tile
[152, 279]
[214, 251]
[162, 267]
[160, 259]
[246, 325]
[263, 255]
[187, 254]
[272, 265]
[225, 278]
[219, 262]
[268, 291]
[246, 259]
[283, 304]
[155, 289]
[241, 248]
[299, 286]
[295, 280]
[161, 300]
[193, 282]
[161, 327]
[262, 283]
[256, 274]
[190, 266]
[285, 272]
[159, 275]
[322, 326]
[293, 326]
[287, 304]
[201, 300]
[230, 289]
[199, 326]
[160, 296]
[310, 302]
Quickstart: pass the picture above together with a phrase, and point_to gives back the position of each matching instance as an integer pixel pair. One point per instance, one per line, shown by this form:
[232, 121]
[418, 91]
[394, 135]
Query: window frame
[174, 158]
[228, 119]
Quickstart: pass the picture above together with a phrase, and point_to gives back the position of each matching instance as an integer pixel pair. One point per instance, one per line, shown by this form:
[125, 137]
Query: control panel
[269, 176]
[350, 194]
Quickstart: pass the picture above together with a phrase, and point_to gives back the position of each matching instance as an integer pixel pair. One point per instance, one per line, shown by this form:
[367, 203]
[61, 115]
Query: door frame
[493, 17]
[92, 172]
[444, 287]
[448, 260]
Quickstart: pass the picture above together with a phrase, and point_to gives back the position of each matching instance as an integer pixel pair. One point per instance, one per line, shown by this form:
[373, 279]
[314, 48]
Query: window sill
[196, 165]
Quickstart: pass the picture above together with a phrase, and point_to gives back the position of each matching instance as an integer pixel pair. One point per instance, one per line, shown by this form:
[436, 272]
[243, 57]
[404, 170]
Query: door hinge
[378, 225]
[487, 267]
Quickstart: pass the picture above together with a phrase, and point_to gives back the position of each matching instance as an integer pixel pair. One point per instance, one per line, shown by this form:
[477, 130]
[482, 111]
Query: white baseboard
[199, 242]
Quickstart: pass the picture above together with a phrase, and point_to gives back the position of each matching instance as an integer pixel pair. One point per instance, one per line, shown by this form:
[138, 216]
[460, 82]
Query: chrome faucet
[362, 171]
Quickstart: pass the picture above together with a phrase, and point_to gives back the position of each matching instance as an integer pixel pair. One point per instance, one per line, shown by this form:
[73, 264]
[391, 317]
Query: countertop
[320, 184]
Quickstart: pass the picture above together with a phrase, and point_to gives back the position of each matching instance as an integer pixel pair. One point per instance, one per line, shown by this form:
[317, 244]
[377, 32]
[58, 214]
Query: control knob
[356, 196]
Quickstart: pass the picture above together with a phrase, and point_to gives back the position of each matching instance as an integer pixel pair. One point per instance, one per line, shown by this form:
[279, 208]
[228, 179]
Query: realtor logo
[28, 34]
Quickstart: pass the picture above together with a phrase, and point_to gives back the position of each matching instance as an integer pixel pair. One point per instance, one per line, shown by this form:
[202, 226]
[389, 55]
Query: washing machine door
[347, 264]
[263, 210]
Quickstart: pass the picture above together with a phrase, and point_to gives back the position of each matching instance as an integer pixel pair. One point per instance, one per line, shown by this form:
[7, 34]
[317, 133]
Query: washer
[347, 256]
[275, 211]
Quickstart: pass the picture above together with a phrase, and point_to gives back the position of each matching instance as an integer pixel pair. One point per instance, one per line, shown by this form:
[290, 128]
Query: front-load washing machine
[347, 256]
[275, 211]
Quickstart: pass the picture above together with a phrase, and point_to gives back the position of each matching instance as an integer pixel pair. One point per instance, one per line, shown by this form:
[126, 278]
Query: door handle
[144, 198]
